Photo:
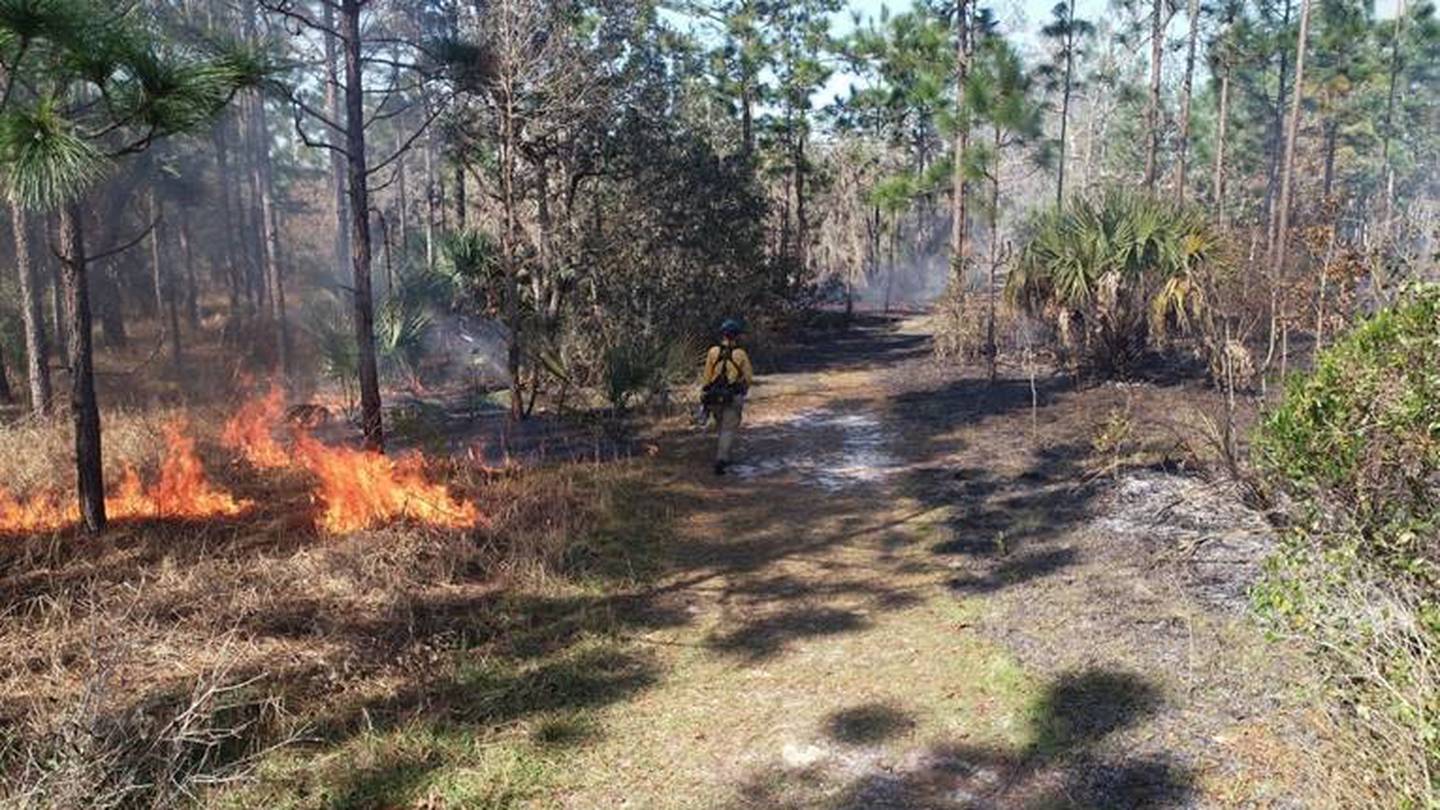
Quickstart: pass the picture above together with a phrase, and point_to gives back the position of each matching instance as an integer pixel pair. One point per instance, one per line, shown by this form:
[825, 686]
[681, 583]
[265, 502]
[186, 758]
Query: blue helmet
[732, 327]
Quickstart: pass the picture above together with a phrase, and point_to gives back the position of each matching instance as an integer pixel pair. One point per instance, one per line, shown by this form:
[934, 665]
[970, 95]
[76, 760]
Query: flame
[40, 513]
[182, 490]
[361, 490]
[248, 431]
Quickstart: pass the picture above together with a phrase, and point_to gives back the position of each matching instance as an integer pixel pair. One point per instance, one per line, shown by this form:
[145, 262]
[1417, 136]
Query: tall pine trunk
[1220, 134]
[1275, 151]
[192, 286]
[37, 349]
[802, 220]
[274, 281]
[1065, 103]
[1389, 128]
[461, 205]
[164, 282]
[84, 409]
[1193, 12]
[511, 230]
[1152, 112]
[229, 255]
[962, 142]
[341, 212]
[60, 314]
[992, 349]
[371, 421]
[1287, 172]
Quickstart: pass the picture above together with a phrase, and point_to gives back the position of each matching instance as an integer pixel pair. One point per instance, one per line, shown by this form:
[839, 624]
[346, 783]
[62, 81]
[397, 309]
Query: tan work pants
[728, 418]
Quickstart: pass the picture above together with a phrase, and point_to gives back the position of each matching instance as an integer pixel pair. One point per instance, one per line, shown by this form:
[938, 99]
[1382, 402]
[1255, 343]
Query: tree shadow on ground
[1070, 759]
[868, 724]
[766, 637]
[870, 341]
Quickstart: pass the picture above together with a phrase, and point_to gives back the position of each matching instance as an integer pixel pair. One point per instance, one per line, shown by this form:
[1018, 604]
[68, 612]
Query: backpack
[721, 391]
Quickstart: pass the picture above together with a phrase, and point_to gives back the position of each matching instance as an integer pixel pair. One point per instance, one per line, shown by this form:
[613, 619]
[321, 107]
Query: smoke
[468, 348]
[914, 270]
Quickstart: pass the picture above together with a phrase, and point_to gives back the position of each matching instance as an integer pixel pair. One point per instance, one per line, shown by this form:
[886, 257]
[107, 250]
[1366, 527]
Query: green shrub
[1357, 441]
[648, 368]
[1355, 446]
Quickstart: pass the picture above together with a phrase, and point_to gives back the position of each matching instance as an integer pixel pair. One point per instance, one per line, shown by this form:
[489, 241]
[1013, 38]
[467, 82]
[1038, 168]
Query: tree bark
[37, 349]
[1193, 12]
[1065, 102]
[992, 349]
[402, 202]
[234, 273]
[1282, 228]
[429, 199]
[163, 282]
[1152, 113]
[802, 221]
[60, 311]
[371, 421]
[1332, 138]
[962, 137]
[460, 204]
[274, 281]
[7, 396]
[1276, 149]
[339, 203]
[1221, 126]
[192, 285]
[84, 409]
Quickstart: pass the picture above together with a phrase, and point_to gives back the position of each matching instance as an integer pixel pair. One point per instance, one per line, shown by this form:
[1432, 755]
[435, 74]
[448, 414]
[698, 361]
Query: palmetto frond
[1128, 259]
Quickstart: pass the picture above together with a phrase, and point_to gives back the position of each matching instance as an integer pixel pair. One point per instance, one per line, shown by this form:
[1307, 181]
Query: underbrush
[1355, 447]
[38, 454]
[170, 662]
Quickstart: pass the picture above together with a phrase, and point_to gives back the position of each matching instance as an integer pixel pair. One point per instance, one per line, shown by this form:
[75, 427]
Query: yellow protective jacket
[738, 369]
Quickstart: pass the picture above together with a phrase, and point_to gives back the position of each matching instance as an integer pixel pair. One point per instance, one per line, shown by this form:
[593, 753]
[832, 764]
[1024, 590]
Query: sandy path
[904, 598]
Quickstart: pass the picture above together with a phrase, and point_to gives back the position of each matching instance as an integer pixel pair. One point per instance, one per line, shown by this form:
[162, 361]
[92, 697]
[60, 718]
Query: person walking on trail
[728, 376]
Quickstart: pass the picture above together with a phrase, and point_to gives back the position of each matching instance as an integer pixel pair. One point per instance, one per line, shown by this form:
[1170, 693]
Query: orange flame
[248, 431]
[181, 491]
[361, 490]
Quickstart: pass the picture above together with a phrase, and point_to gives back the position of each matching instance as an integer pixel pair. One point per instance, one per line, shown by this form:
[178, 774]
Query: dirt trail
[909, 595]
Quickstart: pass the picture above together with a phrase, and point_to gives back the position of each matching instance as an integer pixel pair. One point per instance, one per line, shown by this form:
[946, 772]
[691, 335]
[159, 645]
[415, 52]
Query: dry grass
[38, 454]
[159, 659]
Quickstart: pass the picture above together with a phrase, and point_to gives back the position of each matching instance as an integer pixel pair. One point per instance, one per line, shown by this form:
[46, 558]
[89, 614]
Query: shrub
[1109, 271]
[649, 368]
[1356, 448]
[1357, 441]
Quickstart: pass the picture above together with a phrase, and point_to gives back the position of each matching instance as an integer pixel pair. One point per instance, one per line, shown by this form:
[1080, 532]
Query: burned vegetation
[348, 350]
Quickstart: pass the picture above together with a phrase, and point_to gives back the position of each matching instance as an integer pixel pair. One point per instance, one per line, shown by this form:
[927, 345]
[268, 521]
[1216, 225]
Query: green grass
[496, 720]
[492, 734]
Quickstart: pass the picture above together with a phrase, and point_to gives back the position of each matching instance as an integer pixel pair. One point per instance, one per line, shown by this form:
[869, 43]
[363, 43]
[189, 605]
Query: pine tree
[56, 143]
[1068, 36]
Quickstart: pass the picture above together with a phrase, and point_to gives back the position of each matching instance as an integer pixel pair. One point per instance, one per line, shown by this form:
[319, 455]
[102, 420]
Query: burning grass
[218, 640]
[362, 490]
[181, 491]
[356, 489]
[249, 431]
[158, 661]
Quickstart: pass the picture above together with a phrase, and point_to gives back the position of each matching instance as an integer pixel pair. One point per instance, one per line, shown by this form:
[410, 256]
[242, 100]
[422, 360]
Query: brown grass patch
[148, 662]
